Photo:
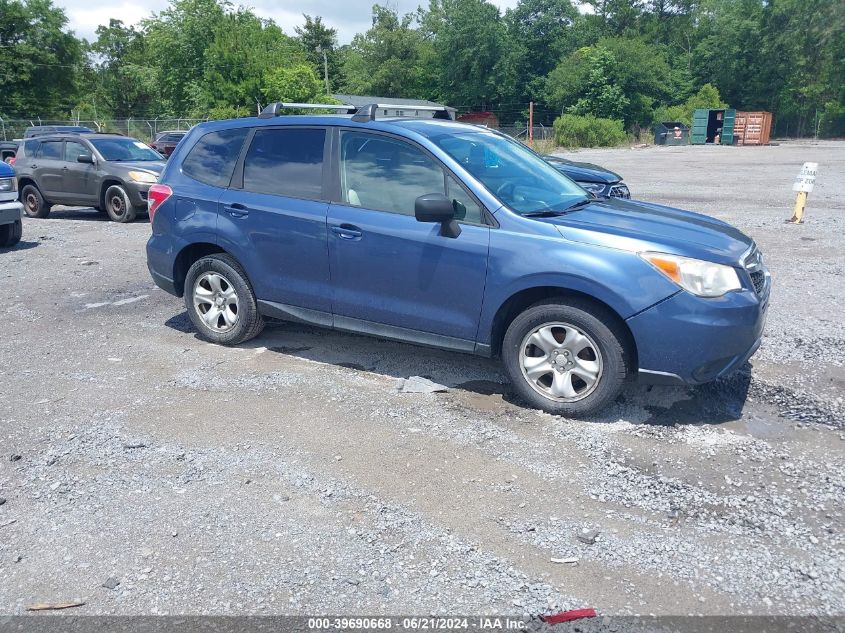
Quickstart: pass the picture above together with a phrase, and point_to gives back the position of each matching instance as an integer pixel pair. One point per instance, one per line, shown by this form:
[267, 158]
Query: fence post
[3, 123]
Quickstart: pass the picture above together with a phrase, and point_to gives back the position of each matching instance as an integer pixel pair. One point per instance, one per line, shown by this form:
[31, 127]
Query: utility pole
[322, 50]
[531, 124]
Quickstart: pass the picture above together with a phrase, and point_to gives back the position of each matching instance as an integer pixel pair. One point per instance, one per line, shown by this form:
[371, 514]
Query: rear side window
[212, 159]
[30, 148]
[51, 149]
[286, 162]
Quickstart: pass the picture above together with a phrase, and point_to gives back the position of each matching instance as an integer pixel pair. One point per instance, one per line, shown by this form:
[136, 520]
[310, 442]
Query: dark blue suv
[439, 233]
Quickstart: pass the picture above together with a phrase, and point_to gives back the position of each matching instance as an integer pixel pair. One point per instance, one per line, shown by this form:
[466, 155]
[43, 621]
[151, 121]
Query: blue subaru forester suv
[434, 232]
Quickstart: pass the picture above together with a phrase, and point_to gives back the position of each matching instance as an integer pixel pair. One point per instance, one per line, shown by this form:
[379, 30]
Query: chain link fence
[148, 129]
[142, 129]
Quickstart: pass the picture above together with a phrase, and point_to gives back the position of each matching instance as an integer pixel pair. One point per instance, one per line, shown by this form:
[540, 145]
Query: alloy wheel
[560, 361]
[216, 301]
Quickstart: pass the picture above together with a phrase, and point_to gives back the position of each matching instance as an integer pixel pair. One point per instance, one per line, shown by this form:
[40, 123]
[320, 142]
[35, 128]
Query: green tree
[177, 39]
[294, 84]
[243, 49]
[320, 44]
[470, 75]
[617, 78]
[542, 32]
[40, 63]
[123, 84]
[390, 60]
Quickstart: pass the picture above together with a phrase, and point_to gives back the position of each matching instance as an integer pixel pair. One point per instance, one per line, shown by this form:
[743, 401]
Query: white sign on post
[807, 178]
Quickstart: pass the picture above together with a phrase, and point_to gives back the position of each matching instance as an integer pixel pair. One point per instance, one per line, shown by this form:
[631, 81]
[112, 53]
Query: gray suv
[107, 171]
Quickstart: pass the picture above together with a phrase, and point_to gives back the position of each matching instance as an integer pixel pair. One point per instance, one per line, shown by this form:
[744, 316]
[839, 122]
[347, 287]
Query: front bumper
[137, 192]
[693, 340]
[11, 211]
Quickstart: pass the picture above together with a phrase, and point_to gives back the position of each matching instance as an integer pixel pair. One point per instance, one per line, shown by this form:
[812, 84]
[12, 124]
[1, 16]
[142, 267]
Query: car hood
[155, 166]
[639, 226]
[584, 172]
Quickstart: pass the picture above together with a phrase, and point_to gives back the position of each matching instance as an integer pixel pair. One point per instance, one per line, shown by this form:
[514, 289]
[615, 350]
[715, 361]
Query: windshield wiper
[549, 213]
[543, 214]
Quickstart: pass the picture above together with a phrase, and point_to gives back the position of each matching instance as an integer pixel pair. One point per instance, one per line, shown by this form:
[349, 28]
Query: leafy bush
[706, 97]
[572, 130]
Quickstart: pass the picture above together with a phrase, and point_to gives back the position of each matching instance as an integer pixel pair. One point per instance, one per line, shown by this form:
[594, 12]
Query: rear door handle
[347, 232]
[236, 210]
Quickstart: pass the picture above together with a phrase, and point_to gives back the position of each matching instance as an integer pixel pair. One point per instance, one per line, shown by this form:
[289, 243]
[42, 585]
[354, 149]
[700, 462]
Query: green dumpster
[713, 126]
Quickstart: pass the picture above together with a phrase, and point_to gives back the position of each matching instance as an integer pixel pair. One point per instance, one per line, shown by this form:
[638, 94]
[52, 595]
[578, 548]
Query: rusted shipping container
[752, 128]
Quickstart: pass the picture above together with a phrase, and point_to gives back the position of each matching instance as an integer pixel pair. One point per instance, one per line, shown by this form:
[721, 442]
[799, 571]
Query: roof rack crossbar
[368, 112]
[274, 109]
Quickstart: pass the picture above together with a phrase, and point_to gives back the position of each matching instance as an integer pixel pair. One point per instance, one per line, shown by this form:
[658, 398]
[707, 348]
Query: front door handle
[347, 232]
[236, 210]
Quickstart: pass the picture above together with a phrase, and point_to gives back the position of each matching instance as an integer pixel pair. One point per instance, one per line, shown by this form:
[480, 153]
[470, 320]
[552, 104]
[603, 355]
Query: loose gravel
[144, 471]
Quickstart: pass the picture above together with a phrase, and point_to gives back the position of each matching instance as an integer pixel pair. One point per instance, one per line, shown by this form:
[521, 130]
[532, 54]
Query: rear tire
[220, 301]
[566, 357]
[34, 204]
[118, 206]
[10, 234]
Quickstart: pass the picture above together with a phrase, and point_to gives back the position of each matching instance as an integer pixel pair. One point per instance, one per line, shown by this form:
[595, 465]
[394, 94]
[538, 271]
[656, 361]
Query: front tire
[220, 301]
[118, 205]
[10, 234]
[566, 357]
[34, 204]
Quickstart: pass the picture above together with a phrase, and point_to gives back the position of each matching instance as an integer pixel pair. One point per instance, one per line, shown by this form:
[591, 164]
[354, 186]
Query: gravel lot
[289, 475]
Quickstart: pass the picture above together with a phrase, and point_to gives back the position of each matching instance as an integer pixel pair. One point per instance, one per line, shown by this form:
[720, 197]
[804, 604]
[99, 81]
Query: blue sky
[348, 17]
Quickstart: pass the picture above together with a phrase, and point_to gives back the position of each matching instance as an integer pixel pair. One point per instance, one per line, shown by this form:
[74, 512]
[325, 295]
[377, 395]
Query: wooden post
[531, 124]
[798, 212]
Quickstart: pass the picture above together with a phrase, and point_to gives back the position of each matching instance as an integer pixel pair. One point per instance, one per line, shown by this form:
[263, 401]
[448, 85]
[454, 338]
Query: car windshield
[124, 149]
[518, 177]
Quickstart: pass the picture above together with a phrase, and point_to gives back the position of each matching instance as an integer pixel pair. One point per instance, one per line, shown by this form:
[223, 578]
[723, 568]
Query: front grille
[620, 191]
[758, 278]
[753, 263]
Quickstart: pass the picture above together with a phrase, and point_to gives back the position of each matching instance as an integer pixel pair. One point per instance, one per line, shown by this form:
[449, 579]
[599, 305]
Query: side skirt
[348, 324]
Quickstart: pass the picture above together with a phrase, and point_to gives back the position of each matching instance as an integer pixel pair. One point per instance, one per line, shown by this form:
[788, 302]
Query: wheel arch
[107, 182]
[186, 258]
[23, 181]
[519, 301]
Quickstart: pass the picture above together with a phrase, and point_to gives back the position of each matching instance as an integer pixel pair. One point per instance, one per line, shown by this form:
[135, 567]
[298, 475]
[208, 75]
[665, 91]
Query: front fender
[520, 261]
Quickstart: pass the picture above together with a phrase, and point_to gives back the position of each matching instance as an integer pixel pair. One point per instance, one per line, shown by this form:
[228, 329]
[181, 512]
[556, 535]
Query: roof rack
[368, 112]
[274, 109]
[361, 114]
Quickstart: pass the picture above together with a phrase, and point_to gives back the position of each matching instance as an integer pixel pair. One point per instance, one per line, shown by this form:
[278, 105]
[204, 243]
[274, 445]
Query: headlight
[705, 279]
[592, 187]
[8, 184]
[143, 176]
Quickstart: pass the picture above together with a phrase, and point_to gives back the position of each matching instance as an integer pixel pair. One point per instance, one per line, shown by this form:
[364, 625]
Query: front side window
[124, 150]
[51, 149]
[384, 174]
[514, 174]
[73, 150]
[212, 158]
[286, 162]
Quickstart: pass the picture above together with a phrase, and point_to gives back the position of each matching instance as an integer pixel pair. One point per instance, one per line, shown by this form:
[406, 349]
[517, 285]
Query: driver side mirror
[85, 158]
[435, 207]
